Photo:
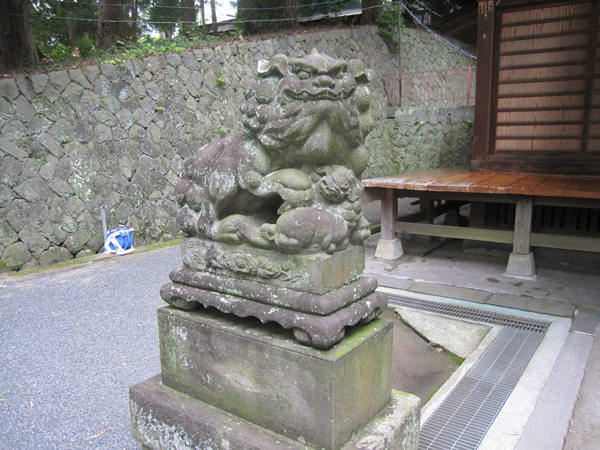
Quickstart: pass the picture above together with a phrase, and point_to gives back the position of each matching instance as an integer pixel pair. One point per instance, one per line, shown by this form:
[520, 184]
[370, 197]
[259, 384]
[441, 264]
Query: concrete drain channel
[466, 414]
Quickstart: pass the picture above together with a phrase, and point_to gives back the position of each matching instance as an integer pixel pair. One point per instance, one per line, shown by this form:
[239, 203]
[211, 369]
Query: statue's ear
[361, 73]
[277, 65]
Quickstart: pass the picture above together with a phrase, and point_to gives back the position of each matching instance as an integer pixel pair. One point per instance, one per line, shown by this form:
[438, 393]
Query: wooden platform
[460, 185]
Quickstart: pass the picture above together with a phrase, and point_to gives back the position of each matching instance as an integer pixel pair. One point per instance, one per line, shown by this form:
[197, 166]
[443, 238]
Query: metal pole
[103, 216]
[400, 7]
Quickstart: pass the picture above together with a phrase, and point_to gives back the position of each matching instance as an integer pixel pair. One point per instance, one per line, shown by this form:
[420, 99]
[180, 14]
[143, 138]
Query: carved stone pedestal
[234, 383]
[317, 295]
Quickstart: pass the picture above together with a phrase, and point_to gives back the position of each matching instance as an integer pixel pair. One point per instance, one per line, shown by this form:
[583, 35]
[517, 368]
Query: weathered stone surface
[34, 240]
[7, 234]
[72, 93]
[10, 171]
[54, 255]
[15, 255]
[77, 241]
[275, 296]
[260, 374]
[59, 79]
[314, 273]
[8, 87]
[39, 82]
[79, 77]
[12, 149]
[55, 234]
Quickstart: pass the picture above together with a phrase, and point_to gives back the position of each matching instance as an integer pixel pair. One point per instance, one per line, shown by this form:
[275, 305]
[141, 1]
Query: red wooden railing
[444, 87]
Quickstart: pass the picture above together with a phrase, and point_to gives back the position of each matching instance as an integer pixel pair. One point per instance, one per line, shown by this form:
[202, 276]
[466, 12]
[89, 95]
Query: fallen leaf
[100, 433]
[573, 431]
[124, 364]
[34, 385]
[77, 324]
[54, 314]
[30, 404]
[12, 359]
[3, 399]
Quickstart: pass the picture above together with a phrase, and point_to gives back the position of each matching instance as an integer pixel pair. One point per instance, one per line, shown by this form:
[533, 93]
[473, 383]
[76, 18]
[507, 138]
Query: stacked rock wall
[117, 134]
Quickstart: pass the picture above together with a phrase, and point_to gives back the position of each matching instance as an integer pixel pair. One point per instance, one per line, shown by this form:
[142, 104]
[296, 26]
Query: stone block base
[316, 273]
[259, 373]
[389, 249]
[163, 418]
[521, 266]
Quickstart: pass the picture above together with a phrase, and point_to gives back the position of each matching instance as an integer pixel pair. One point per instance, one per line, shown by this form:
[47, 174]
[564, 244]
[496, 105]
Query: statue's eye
[339, 75]
[303, 75]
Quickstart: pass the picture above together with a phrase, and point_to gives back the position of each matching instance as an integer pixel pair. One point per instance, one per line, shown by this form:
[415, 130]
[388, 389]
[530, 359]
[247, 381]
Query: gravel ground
[72, 343]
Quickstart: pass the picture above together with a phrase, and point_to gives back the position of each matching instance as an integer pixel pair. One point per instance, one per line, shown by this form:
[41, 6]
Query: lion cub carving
[290, 181]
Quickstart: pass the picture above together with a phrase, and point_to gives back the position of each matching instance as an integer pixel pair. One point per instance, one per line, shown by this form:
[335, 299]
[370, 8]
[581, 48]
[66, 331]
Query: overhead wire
[429, 30]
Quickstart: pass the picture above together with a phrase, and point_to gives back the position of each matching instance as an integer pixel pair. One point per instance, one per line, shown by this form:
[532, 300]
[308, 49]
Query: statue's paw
[296, 197]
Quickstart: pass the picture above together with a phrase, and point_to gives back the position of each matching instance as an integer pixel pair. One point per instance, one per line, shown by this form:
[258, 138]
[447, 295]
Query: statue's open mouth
[319, 94]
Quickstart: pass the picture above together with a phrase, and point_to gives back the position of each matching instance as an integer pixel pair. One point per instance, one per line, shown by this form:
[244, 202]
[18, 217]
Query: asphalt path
[72, 342]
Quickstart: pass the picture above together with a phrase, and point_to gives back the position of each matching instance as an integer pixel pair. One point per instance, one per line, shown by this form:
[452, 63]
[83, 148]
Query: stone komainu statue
[273, 214]
[290, 180]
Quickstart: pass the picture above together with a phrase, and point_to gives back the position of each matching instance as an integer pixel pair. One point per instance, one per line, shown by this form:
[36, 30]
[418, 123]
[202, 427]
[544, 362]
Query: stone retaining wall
[118, 133]
[429, 138]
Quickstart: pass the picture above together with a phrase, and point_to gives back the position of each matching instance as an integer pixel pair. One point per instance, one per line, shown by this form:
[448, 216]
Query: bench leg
[389, 246]
[521, 263]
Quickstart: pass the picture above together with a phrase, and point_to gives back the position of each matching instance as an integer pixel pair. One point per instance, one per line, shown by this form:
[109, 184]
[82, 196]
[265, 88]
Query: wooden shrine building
[534, 178]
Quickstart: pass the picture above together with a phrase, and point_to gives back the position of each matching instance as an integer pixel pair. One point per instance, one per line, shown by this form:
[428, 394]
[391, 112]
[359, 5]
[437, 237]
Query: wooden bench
[460, 185]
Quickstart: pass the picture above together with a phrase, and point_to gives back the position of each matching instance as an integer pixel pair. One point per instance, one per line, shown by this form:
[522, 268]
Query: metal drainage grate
[466, 414]
[463, 312]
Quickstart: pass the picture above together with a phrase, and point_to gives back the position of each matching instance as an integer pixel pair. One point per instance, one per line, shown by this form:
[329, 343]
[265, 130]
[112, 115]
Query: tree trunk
[133, 37]
[292, 10]
[72, 30]
[203, 17]
[213, 10]
[188, 16]
[369, 13]
[17, 46]
[110, 23]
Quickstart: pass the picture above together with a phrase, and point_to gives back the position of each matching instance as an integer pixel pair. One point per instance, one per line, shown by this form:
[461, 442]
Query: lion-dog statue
[290, 180]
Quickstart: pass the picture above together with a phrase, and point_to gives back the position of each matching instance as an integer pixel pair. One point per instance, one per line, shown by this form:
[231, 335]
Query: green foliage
[77, 18]
[59, 51]
[65, 140]
[85, 46]
[275, 14]
[387, 23]
[164, 16]
[160, 109]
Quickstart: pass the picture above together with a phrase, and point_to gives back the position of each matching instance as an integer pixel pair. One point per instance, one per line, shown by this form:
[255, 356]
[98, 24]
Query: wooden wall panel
[546, 14]
[554, 116]
[544, 59]
[546, 87]
[545, 131]
[544, 146]
[543, 29]
[542, 103]
[543, 73]
[550, 43]
[542, 88]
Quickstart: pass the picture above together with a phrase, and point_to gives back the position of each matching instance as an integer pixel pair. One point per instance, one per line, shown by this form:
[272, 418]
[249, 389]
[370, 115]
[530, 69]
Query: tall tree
[369, 12]
[213, 11]
[292, 10]
[203, 16]
[164, 16]
[188, 16]
[17, 45]
[110, 23]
